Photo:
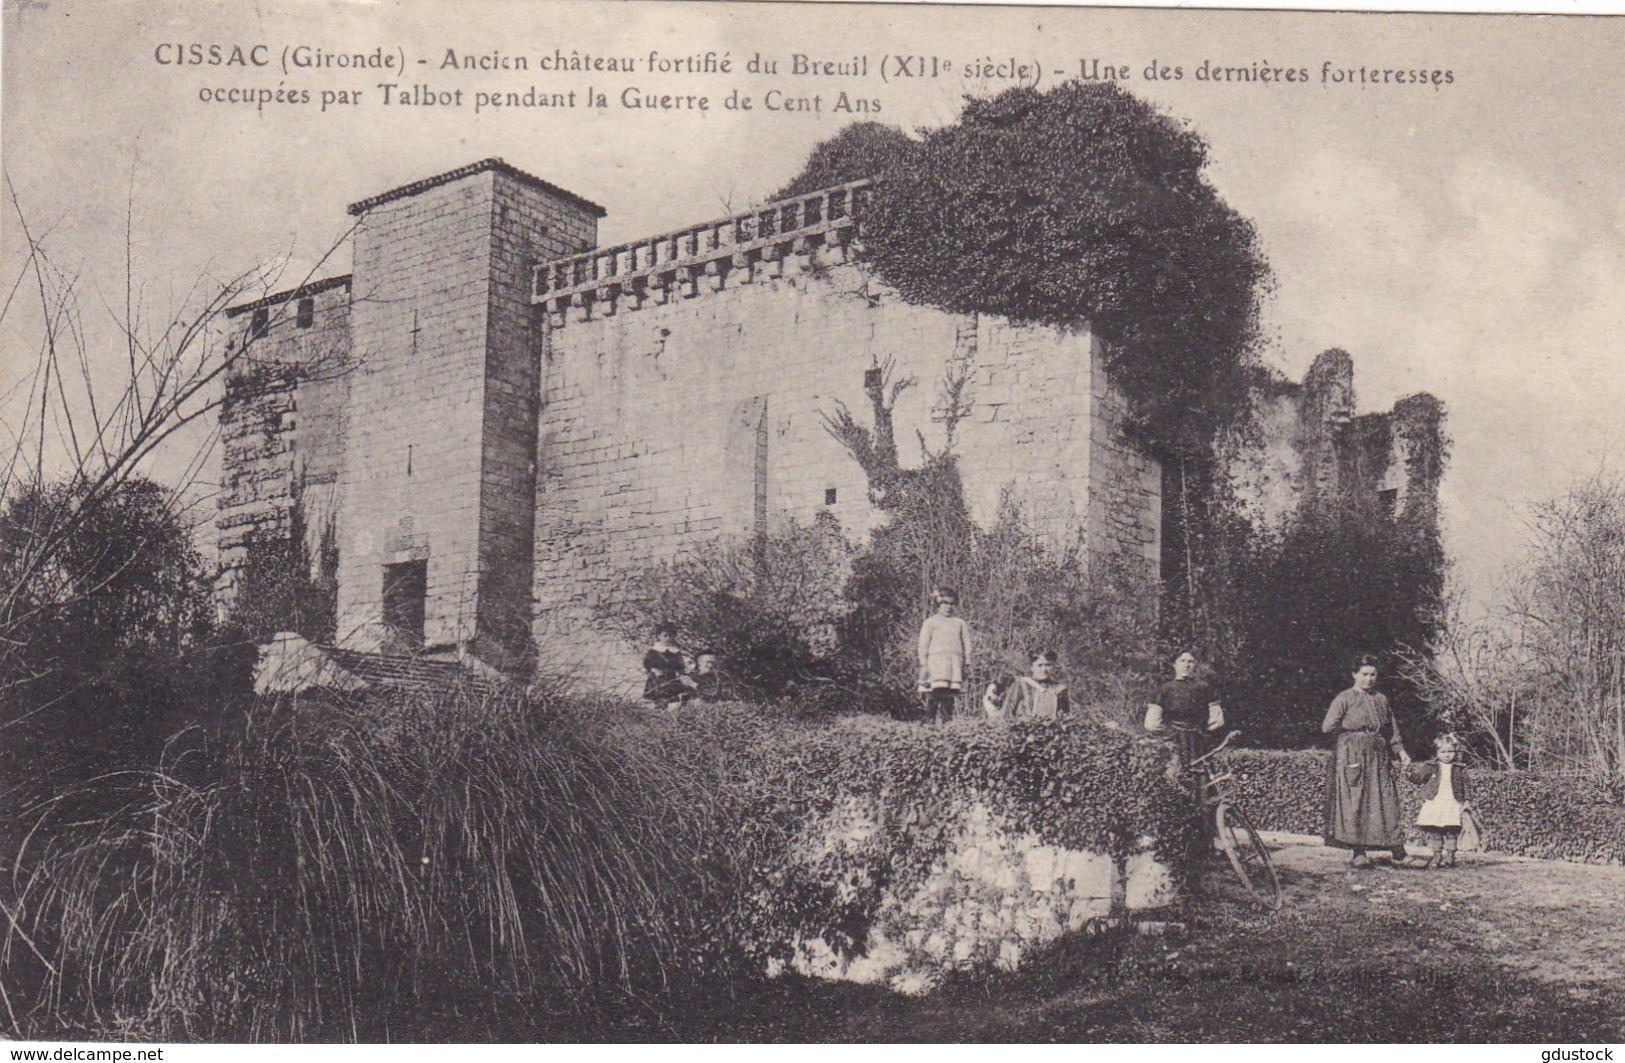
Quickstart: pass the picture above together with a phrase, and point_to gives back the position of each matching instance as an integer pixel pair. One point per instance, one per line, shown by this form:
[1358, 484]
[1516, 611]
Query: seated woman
[667, 681]
[1037, 695]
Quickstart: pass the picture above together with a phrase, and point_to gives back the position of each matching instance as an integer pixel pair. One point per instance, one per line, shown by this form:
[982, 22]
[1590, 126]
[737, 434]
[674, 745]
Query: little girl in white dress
[1440, 817]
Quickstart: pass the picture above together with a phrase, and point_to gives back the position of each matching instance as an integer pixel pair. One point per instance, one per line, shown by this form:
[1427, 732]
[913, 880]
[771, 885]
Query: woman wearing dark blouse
[1186, 710]
[1362, 799]
[665, 671]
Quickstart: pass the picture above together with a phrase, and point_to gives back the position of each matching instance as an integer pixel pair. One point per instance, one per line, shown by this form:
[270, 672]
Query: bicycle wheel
[1249, 856]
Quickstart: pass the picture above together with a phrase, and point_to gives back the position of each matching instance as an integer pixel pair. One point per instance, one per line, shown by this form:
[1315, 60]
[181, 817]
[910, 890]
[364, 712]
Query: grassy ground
[1499, 949]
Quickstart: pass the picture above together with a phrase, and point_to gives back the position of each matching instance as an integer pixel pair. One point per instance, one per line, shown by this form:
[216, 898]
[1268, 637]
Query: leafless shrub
[1541, 679]
[1471, 679]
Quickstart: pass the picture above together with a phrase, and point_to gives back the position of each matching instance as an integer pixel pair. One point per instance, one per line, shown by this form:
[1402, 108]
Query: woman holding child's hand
[1362, 799]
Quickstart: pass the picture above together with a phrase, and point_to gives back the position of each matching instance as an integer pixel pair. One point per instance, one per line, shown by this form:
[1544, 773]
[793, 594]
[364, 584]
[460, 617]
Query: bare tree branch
[90, 423]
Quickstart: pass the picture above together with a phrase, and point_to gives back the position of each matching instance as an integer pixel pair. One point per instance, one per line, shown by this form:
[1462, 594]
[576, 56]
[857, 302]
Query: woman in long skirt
[1362, 799]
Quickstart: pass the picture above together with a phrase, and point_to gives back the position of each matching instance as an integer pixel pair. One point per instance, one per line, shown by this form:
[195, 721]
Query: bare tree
[1541, 678]
[87, 417]
[1471, 677]
[1567, 607]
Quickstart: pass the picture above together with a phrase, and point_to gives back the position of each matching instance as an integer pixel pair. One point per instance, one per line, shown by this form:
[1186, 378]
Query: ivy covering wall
[1086, 204]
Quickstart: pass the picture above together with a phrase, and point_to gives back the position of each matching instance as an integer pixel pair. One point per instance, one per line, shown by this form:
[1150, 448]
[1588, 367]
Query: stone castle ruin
[492, 419]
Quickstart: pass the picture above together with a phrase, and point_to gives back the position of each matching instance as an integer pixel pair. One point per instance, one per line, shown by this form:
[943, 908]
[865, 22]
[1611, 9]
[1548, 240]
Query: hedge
[1522, 814]
[1074, 786]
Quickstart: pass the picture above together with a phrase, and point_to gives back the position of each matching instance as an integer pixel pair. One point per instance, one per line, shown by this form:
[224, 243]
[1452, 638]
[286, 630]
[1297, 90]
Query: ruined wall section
[1264, 462]
[1419, 453]
[1307, 451]
[698, 412]
[282, 421]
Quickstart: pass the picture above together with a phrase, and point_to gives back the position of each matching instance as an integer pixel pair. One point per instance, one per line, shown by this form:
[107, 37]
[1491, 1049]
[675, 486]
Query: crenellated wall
[685, 396]
[527, 418]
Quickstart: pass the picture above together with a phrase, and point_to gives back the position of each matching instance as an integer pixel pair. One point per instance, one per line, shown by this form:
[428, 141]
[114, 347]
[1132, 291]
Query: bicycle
[1248, 855]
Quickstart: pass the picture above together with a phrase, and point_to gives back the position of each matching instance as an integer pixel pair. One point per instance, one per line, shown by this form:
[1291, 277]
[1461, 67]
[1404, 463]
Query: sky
[1465, 238]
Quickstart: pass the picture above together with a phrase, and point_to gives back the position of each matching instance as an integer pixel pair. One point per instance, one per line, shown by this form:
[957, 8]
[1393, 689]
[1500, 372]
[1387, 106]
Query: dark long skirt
[1362, 800]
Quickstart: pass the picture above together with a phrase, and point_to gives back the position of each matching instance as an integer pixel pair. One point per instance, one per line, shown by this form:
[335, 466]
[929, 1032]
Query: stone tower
[435, 526]
[521, 419]
[1313, 454]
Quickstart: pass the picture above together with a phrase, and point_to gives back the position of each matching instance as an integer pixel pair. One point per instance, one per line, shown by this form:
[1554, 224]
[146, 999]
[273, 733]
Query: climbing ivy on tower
[1083, 205]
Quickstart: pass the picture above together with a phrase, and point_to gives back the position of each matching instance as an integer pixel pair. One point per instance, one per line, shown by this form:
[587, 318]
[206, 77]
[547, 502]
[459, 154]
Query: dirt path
[1559, 922]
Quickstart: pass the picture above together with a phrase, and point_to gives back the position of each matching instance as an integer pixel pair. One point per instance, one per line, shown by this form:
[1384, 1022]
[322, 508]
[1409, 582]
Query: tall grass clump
[429, 866]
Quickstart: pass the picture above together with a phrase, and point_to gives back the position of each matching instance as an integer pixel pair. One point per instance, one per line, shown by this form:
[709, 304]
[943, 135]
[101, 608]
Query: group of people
[1362, 809]
[1362, 793]
[944, 647]
[668, 680]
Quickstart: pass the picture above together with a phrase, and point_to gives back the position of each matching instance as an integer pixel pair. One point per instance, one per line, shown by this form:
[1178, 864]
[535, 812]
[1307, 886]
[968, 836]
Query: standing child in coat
[944, 649]
[1445, 799]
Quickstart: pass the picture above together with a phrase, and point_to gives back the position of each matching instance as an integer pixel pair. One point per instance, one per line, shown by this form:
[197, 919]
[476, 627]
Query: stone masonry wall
[438, 459]
[1309, 450]
[652, 422]
[528, 226]
[410, 485]
[283, 422]
[1124, 489]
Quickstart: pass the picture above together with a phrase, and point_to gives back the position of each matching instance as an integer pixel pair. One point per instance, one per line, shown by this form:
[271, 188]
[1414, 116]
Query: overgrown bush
[770, 608]
[1308, 599]
[282, 587]
[433, 867]
[1078, 786]
[109, 620]
[1523, 814]
[861, 151]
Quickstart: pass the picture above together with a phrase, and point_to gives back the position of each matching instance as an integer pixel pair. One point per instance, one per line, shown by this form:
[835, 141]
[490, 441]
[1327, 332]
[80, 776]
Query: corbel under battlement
[770, 241]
